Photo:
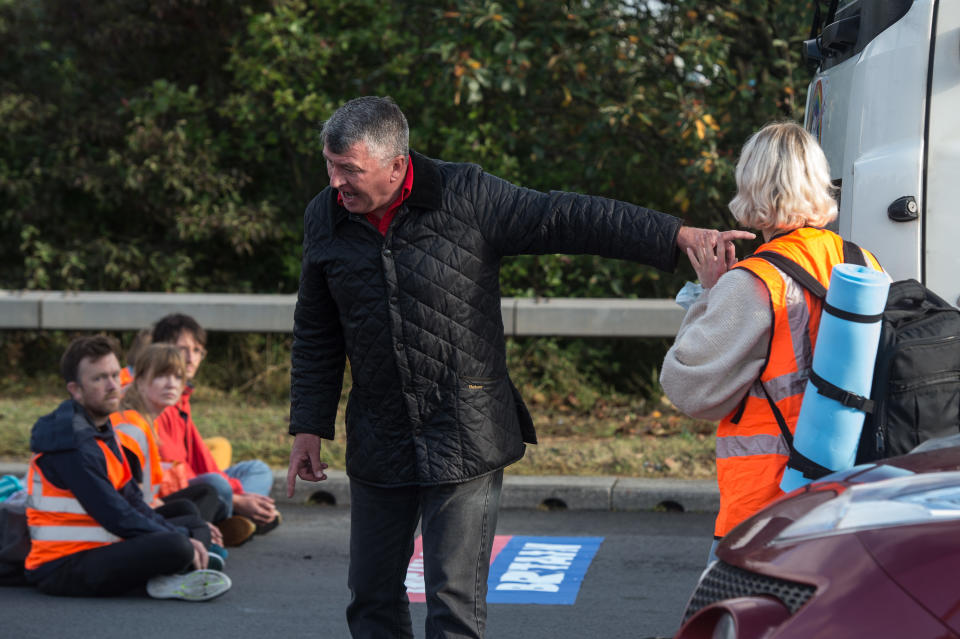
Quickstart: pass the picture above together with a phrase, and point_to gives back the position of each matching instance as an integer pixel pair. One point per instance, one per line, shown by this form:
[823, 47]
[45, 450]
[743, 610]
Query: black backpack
[915, 393]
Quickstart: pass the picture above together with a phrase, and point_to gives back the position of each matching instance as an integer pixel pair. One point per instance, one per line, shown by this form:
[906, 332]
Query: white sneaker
[199, 585]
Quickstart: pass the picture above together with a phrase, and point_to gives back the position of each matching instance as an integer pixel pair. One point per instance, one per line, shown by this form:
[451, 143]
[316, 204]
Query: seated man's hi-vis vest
[59, 526]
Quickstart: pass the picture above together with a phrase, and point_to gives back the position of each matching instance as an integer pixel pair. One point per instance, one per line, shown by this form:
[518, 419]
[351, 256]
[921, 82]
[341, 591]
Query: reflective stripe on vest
[751, 454]
[135, 434]
[72, 533]
[739, 446]
[782, 386]
[39, 501]
[59, 525]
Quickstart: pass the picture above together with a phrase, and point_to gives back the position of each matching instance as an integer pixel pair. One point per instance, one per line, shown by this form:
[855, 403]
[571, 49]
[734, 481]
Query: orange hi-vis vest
[59, 526]
[134, 433]
[126, 376]
[751, 453]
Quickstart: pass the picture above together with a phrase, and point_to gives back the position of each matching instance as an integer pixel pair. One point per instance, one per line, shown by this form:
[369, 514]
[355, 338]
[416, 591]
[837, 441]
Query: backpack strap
[797, 460]
[794, 270]
[812, 284]
[845, 397]
[851, 255]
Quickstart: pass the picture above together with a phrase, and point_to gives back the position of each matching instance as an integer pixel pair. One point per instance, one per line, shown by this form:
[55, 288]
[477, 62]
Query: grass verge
[617, 436]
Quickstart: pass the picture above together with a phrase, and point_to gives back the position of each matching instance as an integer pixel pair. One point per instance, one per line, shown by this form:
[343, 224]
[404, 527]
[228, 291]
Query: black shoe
[263, 529]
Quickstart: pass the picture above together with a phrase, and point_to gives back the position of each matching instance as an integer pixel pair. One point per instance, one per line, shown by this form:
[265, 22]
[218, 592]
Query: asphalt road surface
[292, 583]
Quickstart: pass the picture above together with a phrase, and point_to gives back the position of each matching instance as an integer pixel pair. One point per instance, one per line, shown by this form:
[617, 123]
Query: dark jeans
[116, 568]
[457, 523]
[203, 496]
[181, 512]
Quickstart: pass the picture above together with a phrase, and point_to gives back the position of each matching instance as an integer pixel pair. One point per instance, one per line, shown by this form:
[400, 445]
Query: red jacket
[180, 441]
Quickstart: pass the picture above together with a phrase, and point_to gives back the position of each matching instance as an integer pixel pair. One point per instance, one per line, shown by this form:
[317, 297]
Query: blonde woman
[745, 347]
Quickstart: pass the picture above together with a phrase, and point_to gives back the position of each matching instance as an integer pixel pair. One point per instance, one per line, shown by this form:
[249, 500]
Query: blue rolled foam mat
[827, 431]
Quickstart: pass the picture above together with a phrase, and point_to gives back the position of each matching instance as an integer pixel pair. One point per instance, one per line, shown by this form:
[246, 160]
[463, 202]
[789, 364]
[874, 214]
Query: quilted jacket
[417, 312]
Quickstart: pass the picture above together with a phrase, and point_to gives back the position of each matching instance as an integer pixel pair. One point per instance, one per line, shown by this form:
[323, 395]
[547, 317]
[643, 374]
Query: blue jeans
[255, 476]
[457, 522]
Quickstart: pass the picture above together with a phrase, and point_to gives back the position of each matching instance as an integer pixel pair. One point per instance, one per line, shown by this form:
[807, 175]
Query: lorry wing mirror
[812, 54]
[841, 35]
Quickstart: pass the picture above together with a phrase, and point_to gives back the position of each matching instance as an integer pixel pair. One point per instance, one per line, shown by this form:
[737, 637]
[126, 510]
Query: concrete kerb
[687, 495]
[559, 492]
[609, 493]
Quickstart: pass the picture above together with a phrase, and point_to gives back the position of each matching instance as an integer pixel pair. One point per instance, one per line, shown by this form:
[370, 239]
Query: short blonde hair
[783, 181]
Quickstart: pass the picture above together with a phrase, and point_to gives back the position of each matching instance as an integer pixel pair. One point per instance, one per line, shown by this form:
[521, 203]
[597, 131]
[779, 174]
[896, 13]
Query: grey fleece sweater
[721, 347]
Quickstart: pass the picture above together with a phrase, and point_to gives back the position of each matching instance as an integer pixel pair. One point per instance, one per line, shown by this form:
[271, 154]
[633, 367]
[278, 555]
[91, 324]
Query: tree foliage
[172, 145]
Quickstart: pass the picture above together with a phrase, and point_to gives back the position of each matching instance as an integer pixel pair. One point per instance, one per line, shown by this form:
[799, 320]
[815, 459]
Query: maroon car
[873, 551]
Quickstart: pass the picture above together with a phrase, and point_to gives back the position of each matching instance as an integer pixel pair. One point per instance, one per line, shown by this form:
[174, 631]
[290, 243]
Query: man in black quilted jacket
[401, 261]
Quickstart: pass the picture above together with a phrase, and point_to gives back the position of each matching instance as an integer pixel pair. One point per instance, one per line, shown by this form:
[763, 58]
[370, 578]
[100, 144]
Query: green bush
[172, 145]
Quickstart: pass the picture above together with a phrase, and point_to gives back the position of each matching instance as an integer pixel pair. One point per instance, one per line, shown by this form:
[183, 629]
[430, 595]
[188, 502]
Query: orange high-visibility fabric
[751, 453]
[134, 433]
[59, 526]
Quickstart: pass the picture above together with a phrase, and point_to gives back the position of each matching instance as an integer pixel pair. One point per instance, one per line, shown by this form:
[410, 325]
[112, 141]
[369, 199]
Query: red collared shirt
[383, 223]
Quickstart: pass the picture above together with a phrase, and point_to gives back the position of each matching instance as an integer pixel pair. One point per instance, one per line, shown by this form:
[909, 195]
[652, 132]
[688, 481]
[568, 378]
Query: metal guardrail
[569, 317]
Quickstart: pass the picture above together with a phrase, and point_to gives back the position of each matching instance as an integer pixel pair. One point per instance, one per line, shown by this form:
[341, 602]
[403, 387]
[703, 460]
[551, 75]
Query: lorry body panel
[942, 220]
[889, 124]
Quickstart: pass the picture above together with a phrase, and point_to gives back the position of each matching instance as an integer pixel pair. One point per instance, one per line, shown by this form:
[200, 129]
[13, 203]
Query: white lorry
[885, 105]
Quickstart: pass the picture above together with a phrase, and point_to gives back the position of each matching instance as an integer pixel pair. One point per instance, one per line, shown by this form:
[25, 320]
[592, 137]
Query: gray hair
[376, 121]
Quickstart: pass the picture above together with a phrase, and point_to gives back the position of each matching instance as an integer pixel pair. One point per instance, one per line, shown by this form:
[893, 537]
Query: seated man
[91, 532]
[244, 488]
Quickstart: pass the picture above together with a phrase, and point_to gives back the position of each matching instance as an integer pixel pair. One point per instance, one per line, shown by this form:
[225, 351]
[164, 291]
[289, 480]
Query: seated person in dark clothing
[91, 532]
